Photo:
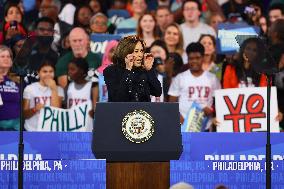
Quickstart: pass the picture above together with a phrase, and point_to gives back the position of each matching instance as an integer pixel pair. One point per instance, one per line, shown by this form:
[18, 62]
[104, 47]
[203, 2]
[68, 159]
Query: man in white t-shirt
[194, 84]
[192, 28]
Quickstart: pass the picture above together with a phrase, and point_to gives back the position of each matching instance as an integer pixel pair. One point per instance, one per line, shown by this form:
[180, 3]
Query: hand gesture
[11, 32]
[50, 83]
[148, 61]
[129, 60]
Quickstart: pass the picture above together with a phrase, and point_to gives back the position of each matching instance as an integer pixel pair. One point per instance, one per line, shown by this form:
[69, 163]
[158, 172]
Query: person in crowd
[95, 6]
[263, 24]
[99, 23]
[276, 36]
[45, 92]
[209, 43]
[215, 19]
[16, 43]
[80, 90]
[276, 11]
[80, 45]
[173, 38]
[12, 23]
[131, 78]
[161, 56]
[106, 61]
[44, 34]
[254, 12]
[234, 10]
[82, 17]
[9, 93]
[164, 17]
[192, 28]
[194, 84]
[181, 185]
[139, 7]
[174, 65]
[50, 9]
[147, 29]
[240, 72]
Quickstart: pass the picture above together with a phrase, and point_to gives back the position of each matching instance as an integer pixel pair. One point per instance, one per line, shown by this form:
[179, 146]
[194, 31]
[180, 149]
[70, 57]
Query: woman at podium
[132, 77]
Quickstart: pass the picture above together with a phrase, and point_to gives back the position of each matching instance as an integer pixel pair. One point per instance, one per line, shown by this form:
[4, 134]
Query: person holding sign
[131, 78]
[240, 72]
[40, 94]
[80, 90]
[194, 86]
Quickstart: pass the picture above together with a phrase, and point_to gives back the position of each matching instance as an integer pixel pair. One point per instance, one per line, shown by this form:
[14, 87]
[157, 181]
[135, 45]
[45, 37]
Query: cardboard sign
[195, 120]
[99, 42]
[227, 33]
[75, 119]
[245, 109]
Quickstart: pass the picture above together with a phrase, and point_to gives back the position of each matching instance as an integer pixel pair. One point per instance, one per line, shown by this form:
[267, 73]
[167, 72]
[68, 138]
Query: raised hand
[51, 84]
[129, 60]
[148, 61]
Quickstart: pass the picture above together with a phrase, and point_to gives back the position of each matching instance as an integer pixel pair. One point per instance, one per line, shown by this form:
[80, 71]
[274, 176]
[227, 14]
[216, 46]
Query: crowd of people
[167, 53]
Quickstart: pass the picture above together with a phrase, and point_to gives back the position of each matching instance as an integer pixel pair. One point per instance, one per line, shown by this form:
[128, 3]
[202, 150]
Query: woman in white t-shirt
[45, 92]
[81, 90]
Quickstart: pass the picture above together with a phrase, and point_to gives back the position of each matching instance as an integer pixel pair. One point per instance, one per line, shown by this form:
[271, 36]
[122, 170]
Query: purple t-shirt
[10, 94]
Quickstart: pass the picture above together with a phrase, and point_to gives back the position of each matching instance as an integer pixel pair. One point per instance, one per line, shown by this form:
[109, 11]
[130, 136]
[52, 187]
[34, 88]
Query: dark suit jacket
[131, 86]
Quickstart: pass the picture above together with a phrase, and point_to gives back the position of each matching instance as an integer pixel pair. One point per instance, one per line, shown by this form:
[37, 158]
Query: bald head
[79, 42]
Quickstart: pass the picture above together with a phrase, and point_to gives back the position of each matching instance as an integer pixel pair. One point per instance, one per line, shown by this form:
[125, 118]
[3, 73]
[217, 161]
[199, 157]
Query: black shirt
[131, 86]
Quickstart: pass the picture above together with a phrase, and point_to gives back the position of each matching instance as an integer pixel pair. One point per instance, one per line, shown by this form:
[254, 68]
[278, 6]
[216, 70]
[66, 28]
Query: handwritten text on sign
[57, 119]
[240, 110]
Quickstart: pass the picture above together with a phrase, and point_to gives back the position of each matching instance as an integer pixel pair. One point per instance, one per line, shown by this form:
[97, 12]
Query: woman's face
[95, 6]
[46, 72]
[74, 72]
[138, 54]
[99, 25]
[263, 24]
[5, 59]
[250, 51]
[215, 20]
[158, 51]
[13, 14]
[147, 23]
[171, 36]
[208, 45]
[84, 16]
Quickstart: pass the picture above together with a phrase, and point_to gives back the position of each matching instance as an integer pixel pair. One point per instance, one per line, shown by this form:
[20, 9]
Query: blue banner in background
[236, 160]
[233, 159]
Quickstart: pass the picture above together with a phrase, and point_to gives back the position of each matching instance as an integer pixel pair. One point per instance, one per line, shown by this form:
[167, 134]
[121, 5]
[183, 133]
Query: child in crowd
[79, 89]
[45, 92]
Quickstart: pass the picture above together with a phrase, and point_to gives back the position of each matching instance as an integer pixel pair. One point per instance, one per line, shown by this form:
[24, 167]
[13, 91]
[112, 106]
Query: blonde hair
[5, 48]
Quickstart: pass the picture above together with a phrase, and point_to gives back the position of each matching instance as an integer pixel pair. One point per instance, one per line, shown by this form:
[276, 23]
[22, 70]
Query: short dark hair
[46, 62]
[194, 1]
[81, 63]
[195, 47]
[44, 19]
[161, 44]
[160, 7]
[278, 28]
[277, 6]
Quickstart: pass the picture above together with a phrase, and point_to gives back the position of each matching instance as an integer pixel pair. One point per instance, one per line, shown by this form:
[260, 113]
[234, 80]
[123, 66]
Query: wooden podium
[138, 175]
[131, 165]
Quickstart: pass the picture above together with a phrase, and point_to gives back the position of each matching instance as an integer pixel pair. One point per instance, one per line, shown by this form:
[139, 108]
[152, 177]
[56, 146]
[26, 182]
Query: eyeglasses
[100, 23]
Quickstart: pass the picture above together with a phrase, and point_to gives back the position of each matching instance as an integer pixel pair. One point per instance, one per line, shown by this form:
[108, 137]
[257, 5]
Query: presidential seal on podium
[138, 126]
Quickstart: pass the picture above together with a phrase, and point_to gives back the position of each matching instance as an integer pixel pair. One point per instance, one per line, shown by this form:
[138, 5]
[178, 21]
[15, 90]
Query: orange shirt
[231, 79]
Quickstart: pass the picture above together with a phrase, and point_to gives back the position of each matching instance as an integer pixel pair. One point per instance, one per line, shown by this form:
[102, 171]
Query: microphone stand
[21, 137]
[268, 144]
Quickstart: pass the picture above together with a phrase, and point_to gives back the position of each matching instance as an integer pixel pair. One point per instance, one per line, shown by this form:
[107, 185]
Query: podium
[137, 140]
